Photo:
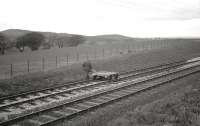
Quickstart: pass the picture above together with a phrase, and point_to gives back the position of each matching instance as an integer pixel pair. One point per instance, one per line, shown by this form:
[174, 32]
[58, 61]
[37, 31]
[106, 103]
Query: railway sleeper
[101, 100]
[36, 122]
[90, 103]
[120, 93]
[71, 110]
[59, 112]
[114, 95]
[48, 117]
[97, 101]
[84, 105]
[75, 106]
[106, 97]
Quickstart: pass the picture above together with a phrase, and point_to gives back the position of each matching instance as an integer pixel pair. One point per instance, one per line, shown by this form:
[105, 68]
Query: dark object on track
[104, 75]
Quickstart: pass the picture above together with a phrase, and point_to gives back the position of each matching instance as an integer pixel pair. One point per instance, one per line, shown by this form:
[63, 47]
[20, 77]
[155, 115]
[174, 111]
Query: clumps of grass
[180, 112]
[139, 118]
[120, 122]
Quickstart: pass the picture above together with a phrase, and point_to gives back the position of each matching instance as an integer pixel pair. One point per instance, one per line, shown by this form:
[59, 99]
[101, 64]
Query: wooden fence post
[28, 66]
[11, 70]
[87, 56]
[95, 54]
[43, 64]
[56, 61]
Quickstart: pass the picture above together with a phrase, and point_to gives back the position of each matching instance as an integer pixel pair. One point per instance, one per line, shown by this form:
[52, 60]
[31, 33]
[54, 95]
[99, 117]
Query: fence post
[103, 52]
[95, 54]
[56, 61]
[87, 56]
[43, 64]
[11, 70]
[28, 66]
[67, 59]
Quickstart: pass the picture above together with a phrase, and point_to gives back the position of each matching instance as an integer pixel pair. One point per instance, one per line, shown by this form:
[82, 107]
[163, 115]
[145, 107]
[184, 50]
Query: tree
[2, 43]
[33, 40]
[20, 44]
[76, 40]
[60, 44]
[63, 41]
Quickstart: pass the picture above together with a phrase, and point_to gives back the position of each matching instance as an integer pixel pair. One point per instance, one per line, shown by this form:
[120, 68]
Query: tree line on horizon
[35, 40]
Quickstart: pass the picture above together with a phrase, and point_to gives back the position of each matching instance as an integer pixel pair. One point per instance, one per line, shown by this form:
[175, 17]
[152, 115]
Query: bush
[33, 40]
[2, 43]
[76, 40]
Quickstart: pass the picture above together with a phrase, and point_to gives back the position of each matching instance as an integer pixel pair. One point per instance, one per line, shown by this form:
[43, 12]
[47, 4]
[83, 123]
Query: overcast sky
[136, 18]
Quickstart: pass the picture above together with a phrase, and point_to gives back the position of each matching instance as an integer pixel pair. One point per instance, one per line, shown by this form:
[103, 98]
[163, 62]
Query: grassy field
[44, 60]
[131, 61]
[180, 108]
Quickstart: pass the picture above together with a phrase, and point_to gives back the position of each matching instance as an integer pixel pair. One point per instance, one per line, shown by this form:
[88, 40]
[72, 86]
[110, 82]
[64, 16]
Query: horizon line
[152, 37]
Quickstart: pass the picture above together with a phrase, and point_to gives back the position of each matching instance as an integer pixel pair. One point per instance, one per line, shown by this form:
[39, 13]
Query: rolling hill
[53, 38]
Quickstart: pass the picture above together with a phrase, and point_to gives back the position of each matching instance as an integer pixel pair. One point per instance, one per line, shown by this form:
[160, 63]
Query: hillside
[111, 39]
[53, 38]
[50, 37]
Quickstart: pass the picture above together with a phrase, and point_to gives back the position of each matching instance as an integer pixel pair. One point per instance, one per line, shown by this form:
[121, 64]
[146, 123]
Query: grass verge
[151, 108]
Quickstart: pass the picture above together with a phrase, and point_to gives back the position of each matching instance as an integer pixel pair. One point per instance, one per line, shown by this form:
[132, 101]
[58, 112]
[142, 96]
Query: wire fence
[48, 63]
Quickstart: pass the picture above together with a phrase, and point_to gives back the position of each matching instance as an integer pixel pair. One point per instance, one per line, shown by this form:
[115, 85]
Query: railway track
[30, 97]
[94, 90]
[82, 82]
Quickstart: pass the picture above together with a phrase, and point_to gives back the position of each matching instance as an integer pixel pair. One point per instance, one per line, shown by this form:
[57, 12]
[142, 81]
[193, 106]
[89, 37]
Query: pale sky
[136, 18]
